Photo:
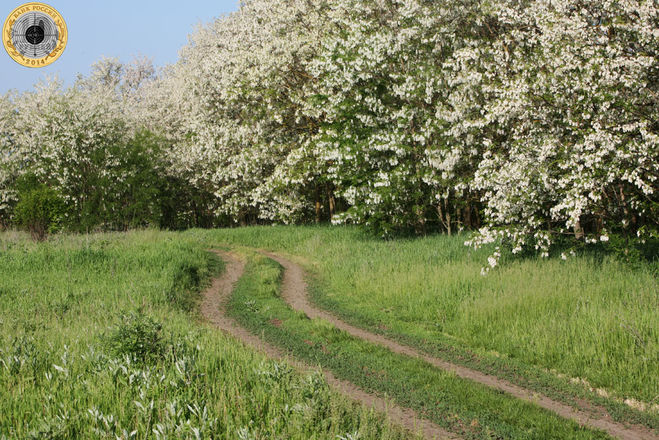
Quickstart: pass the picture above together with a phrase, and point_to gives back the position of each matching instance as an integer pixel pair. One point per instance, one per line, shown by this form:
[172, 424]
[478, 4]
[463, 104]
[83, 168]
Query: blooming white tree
[538, 118]
[80, 141]
[570, 120]
[386, 103]
[70, 139]
[9, 167]
[240, 84]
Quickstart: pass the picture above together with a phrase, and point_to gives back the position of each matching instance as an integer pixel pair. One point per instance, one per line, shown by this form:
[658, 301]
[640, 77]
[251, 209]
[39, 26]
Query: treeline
[526, 120]
[76, 160]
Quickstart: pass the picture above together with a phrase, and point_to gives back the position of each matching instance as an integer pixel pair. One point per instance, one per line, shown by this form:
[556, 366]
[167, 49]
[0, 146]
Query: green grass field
[72, 367]
[100, 336]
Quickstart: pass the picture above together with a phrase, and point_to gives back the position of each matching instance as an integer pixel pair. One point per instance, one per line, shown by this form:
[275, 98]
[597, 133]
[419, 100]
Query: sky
[120, 28]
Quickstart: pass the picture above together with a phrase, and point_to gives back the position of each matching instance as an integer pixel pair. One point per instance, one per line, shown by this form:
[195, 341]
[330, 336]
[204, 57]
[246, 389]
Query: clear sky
[119, 28]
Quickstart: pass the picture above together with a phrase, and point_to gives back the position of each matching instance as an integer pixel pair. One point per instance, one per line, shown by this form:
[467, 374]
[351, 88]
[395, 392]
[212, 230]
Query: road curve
[213, 304]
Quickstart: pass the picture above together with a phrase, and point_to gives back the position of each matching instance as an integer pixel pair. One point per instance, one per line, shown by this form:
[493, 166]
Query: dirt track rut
[294, 292]
[213, 309]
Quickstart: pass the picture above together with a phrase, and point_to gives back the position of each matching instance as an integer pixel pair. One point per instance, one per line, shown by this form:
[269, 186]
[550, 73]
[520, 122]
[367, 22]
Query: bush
[139, 336]
[40, 211]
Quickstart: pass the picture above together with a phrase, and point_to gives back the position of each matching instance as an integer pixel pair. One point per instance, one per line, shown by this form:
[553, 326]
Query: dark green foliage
[122, 196]
[138, 336]
[184, 206]
[149, 195]
[634, 252]
[40, 211]
[185, 284]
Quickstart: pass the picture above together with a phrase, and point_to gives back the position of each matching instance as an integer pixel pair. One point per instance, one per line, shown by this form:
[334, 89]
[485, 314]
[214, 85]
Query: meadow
[101, 336]
[488, 170]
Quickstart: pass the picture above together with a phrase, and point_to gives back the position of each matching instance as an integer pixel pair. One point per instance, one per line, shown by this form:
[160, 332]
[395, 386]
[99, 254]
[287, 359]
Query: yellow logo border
[61, 41]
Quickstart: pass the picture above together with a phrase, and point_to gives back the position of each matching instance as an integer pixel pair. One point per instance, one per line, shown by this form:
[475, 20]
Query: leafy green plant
[39, 210]
[138, 336]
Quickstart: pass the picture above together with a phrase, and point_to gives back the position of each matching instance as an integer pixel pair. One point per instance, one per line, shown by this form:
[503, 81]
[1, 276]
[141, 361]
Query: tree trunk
[458, 215]
[420, 226]
[447, 213]
[625, 208]
[467, 217]
[578, 231]
[477, 219]
[332, 202]
[317, 206]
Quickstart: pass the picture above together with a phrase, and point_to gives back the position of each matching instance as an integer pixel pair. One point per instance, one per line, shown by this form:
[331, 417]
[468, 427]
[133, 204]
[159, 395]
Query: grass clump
[186, 281]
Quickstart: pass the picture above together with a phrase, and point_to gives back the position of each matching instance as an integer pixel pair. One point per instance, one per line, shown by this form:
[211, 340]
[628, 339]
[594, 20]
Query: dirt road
[213, 309]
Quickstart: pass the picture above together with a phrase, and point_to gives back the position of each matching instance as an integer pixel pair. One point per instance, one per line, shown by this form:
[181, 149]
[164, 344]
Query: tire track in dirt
[294, 292]
[213, 304]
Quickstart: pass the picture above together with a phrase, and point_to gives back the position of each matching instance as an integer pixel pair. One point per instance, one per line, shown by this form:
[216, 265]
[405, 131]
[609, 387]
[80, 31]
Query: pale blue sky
[119, 28]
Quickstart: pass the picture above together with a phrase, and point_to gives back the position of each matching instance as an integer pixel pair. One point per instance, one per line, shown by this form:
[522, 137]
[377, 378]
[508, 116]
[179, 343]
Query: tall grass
[75, 310]
[97, 341]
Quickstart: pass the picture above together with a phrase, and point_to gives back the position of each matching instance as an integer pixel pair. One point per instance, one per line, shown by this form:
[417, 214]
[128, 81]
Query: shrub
[137, 335]
[40, 211]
